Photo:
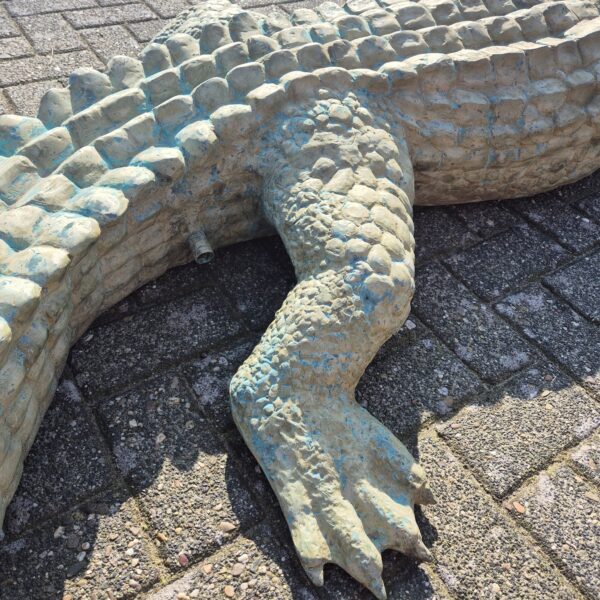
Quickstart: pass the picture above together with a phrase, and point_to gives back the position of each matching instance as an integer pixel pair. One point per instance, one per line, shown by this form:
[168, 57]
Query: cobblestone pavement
[139, 486]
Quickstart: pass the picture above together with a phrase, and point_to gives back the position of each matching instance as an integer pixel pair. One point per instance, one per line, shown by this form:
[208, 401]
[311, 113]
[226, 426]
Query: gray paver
[521, 427]
[33, 7]
[109, 41]
[168, 9]
[50, 33]
[579, 284]
[7, 25]
[412, 378]
[486, 218]
[438, 231]
[16, 47]
[144, 31]
[257, 276]
[175, 283]
[470, 327]
[119, 311]
[586, 458]
[112, 2]
[171, 457]
[3, 104]
[160, 335]
[109, 15]
[562, 512]
[590, 206]
[67, 463]
[27, 97]
[290, 7]
[572, 229]
[209, 378]
[255, 566]
[477, 551]
[510, 259]
[558, 329]
[99, 546]
[28, 70]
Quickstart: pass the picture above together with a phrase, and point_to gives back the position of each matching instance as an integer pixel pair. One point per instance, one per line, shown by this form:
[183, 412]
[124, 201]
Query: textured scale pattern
[326, 127]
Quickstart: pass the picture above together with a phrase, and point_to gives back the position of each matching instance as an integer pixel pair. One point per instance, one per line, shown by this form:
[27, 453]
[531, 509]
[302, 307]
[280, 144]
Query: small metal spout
[200, 247]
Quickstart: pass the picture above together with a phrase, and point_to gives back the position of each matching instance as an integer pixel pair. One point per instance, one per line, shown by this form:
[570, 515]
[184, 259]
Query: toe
[311, 546]
[389, 520]
[423, 495]
[352, 549]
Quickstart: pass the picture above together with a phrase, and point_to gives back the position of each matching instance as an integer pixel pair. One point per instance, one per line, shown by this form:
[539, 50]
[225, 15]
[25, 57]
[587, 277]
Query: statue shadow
[157, 463]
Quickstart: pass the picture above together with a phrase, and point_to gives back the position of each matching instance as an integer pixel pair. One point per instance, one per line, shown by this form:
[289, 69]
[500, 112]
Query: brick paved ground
[138, 484]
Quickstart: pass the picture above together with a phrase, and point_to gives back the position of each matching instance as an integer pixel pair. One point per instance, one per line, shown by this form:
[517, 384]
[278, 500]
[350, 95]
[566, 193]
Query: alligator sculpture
[326, 127]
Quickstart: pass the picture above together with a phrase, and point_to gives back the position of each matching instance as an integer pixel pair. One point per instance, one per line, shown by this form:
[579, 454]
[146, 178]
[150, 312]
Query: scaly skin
[326, 129]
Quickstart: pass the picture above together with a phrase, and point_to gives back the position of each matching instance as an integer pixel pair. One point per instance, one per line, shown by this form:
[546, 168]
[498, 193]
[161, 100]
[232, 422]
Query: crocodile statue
[326, 127]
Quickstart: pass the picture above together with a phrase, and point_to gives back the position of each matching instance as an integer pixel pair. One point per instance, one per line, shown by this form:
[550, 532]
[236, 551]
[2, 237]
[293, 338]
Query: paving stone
[29, 70]
[579, 284]
[16, 47]
[257, 276]
[558, 329]
[111, 41]
[170, 456]
[510, 259]
[590, 206]
[471, 329]
[112, 2]
[263, 5]
[3, 105]
[109, 15]
[477, 551]
[521, 426]
[66, 463]
[209, 377]
[552, 214]
[413, 378]
[7, 25]
[144, 31]
[26, 98]
[33, 7]
[486, 218]
[175, 283]
[99, 546]
[167, 9]
[50, 33]
[290, 7]
[438, 231]
[119, 352]
[562, 512]
[119, 311]
[586, 458]
[255, 566]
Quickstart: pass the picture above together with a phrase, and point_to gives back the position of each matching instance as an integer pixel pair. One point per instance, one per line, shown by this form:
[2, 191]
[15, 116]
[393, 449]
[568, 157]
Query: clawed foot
[347, 487]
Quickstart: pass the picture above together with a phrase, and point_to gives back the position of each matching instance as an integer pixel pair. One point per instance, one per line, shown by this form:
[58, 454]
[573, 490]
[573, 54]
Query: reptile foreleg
[342, 205]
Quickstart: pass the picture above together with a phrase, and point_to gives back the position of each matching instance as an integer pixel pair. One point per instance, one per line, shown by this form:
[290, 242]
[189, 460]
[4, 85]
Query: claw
[421, 552]
[315, 574]
[423, 495]
[377, 588]
[363, 562]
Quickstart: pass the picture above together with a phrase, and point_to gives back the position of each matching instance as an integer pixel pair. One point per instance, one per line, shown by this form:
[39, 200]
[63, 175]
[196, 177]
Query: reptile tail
[89, 211]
